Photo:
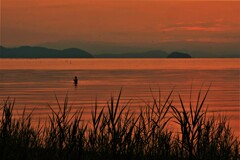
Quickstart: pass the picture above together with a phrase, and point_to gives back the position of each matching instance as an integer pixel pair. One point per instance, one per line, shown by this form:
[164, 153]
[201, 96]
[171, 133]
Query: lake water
[35, 82]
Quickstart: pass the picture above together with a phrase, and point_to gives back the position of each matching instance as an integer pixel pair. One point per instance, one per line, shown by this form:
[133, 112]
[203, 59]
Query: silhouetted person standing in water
[75, 81]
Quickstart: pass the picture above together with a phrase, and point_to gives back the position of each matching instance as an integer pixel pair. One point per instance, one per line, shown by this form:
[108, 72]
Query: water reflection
[37, 88]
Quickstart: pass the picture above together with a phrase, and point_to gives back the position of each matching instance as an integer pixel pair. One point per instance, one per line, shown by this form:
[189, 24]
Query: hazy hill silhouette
[41, 52]
[149, 54]
[178, 55]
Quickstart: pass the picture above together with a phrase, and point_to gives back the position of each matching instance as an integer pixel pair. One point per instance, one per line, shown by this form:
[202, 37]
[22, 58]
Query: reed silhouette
[115, 132]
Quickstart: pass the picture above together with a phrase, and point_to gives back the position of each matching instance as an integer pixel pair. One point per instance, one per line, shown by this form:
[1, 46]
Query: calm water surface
[35, 82]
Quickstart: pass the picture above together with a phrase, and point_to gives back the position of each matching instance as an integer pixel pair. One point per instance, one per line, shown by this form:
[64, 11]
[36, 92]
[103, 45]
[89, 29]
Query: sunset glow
[148, 23]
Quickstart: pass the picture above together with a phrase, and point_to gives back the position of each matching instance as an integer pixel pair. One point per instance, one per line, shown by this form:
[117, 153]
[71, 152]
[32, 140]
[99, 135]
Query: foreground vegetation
[115, 132]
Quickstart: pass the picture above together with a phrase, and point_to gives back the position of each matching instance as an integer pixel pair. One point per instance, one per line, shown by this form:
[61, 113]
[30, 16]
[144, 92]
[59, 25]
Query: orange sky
[125, 22]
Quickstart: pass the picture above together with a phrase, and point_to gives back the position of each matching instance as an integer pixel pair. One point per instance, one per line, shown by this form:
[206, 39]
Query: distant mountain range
[148, 54]
[41, 52]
